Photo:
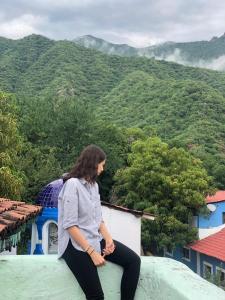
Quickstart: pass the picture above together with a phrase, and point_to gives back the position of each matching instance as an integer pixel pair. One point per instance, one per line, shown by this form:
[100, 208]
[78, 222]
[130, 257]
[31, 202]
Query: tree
[57, 129]
[113, 141]
[40, 167]
[167, 182]
[11, 179]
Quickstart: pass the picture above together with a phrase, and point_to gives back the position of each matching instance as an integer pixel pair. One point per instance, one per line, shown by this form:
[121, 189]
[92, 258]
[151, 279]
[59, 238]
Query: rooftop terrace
[44, 277]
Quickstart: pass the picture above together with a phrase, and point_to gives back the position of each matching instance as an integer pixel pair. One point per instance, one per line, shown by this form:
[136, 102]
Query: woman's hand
[97, 259]
[109, 247]
[109, 244]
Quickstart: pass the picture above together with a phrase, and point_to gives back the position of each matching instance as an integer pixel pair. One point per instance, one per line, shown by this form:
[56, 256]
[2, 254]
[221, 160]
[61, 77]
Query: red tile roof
[213, 245]
[218, 197]
[13, 214]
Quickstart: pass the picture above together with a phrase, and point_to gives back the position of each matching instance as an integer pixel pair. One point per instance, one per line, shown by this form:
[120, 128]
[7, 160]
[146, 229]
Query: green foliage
[11, 179]
[167, 182]
[17, 56]
[217, 279]
[184, 113]
[34, 64]
[40, 166]
[59, 128]
[113, 141]
[64, 91]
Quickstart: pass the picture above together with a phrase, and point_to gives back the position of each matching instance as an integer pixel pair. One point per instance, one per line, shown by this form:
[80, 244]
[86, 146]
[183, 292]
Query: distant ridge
[90, 41]
[206, 54]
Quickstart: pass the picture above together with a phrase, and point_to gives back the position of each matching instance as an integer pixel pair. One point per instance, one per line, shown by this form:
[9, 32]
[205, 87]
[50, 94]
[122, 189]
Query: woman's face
[100, 167]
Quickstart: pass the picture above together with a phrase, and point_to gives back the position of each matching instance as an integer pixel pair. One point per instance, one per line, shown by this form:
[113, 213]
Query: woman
[83, 239]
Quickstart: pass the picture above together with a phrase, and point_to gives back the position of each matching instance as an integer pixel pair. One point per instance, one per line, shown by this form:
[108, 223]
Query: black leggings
[86, 273]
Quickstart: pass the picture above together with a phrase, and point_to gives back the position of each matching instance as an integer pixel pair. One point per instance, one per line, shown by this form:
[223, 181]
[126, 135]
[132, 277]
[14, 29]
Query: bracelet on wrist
[88, 247]
[91, 252]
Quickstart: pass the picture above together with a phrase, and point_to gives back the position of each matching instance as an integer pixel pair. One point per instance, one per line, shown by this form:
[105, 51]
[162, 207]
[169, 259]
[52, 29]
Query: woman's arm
[76, 234]
[104, 231]
[109, 244]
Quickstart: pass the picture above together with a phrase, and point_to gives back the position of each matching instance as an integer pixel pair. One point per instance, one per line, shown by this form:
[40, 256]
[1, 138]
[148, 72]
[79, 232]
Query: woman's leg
[85, 272]
[131, 262]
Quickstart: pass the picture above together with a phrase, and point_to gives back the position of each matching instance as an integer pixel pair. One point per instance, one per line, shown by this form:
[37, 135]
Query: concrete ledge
[44, 277]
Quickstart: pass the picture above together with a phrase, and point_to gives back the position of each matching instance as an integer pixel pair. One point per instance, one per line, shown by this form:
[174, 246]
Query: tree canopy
[11, 179]
[168, 182]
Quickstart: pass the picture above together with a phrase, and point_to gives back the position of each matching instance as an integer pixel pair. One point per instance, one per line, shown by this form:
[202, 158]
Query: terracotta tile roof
[213, 245]
[218, 197]
[13, 214]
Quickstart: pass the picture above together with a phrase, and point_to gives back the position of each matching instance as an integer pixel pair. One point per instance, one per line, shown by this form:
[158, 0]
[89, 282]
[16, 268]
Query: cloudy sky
[135, 22]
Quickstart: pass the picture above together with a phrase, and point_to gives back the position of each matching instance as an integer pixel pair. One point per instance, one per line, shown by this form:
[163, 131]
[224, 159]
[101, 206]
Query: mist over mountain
[90, 41]
[203, 54]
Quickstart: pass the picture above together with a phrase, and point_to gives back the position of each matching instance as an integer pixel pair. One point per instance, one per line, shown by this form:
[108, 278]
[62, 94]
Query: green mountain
[17, 56]
[183, 105]
[185, 113]
[92, 42]
[169, 107]
[206, 54]
[35, 65]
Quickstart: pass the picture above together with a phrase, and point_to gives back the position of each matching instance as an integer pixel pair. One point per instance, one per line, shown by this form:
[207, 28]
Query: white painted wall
[204, 232]
[34, 238]
[45, 235]
[12, 252]
[124, 227]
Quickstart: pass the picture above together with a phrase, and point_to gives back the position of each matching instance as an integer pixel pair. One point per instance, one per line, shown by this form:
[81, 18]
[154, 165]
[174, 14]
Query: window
[186, 254]
[52, 238]
[207, 270]
[223, 218]
[220, 276]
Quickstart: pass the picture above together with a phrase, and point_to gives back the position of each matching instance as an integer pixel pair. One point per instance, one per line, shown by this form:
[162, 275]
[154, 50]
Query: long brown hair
[87, 164]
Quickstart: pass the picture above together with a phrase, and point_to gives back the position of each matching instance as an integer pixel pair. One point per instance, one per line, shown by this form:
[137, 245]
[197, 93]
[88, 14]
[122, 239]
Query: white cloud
[135, 39]
[138, 39]
[214, 64]
[20, 27]
[175, 57]
[136, 22]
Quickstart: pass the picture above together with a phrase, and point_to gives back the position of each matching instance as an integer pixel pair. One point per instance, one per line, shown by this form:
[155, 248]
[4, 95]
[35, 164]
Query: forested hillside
[37, 64]
[185, 113]
[68, 96]
[154, 120]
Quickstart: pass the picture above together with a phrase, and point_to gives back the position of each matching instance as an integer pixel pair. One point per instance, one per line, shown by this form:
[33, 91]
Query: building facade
[206, 256]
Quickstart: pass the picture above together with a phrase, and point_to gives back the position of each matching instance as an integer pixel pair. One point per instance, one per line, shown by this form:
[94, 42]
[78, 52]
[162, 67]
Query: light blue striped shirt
[79, 204]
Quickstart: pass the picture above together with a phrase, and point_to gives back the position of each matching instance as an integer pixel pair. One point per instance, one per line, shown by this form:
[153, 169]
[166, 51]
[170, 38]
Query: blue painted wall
[178, 255]
[192, 264]
[215, 218]
[211, 260]
[48, 213]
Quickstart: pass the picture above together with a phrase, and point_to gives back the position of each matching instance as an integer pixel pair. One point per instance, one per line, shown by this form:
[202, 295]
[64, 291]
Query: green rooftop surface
[44, 277]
